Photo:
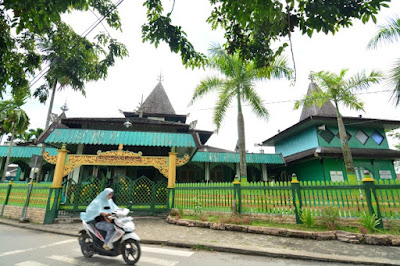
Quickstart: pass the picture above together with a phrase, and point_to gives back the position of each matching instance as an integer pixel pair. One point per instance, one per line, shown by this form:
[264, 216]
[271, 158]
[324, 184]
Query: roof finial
[160, 78]
[64, 108]
[310, 77]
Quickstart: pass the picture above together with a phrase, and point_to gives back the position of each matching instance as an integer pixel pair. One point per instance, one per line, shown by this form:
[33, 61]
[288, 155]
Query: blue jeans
[109, 228]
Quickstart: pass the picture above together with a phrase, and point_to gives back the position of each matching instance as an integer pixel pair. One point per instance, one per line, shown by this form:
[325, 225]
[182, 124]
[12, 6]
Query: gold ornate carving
[163, 170]
[183, 160]
[69, 168]
[49, 158]
[119, 157]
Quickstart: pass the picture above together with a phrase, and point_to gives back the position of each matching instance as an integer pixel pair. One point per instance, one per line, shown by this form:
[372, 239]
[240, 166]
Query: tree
[16, 121]
[249, 31]
[237, 84]
[390, 33]
[73, 60]
[29, 135]
[341, 91]
[252, 26]
[22, 22]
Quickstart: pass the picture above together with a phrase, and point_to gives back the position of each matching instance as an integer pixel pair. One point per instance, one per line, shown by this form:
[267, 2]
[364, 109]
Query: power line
[84, 34]
[288, 101]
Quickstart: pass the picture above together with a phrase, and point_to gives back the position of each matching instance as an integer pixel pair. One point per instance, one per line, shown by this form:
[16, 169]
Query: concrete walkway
[154, 230]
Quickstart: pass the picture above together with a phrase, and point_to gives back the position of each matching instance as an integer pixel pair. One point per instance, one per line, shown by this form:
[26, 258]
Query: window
[361, 136]
[347, 133]
[378, 138]
[327, 135]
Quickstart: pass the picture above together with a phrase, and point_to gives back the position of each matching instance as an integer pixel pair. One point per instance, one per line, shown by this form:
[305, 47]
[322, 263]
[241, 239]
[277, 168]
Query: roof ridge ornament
[160, 77]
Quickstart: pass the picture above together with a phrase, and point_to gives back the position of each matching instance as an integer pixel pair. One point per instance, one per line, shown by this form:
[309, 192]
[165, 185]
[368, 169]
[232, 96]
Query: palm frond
[394, 80]
[206, 85]
[362, 81]
[351, 101]
[316, 98]
[387, 33]
[221, 61]
[224, 100]
[256, 102]
[278, 69]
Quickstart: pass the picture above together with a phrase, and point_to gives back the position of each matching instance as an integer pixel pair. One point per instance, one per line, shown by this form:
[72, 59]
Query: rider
[98, 210]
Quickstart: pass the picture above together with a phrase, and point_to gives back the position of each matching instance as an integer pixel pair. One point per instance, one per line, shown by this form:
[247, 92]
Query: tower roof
[327, 109]
[158, 102]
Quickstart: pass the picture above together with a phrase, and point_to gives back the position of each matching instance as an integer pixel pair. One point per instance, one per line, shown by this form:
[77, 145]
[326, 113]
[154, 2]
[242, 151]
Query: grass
[201, 247]
[316, 228]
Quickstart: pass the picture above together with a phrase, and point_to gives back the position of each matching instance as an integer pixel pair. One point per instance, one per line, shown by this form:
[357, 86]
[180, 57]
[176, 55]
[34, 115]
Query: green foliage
[30, 20]
[29, 135]
[12, 116]
[370, 222]
[253, 30]
[197, 206]
[307, 218]
[330, 216]
[199, 247]
[390, 33]
[64, 50]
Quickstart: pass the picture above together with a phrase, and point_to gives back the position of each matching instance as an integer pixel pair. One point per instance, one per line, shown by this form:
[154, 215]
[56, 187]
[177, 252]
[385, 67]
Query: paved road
[24, 247]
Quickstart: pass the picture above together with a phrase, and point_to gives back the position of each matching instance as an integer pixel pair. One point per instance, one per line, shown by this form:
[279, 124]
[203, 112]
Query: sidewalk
[154, 230]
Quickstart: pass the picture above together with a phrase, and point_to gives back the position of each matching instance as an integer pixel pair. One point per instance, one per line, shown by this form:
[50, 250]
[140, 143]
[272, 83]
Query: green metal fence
[141, 196]
[381, 197]
[212, 197]
[264, 197]
[24, 194]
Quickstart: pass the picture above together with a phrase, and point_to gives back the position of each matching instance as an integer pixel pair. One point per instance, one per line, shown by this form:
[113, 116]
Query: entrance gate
[142, 196]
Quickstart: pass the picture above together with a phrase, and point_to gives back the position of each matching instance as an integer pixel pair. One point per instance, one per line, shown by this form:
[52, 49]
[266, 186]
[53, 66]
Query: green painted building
[311, 148]
[21, 156]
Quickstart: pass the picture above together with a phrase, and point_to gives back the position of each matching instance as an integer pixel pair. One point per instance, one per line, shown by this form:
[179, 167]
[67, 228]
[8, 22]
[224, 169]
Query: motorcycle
[124, 240]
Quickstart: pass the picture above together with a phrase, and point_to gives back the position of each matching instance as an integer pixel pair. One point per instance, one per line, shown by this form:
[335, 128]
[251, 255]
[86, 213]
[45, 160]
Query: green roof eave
[110, 137]
[228, 157]
[24, 151]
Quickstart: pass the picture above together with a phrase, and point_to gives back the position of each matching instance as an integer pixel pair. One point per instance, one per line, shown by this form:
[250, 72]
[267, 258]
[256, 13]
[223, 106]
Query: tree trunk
[8, 156]
[348, 159]
[242, 142]
[53, 92]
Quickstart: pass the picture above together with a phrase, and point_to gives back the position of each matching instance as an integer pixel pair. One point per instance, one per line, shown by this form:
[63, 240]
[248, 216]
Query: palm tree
[390, 33]
[237, 84]
[15, 121]
[29, 135]
[341, 91]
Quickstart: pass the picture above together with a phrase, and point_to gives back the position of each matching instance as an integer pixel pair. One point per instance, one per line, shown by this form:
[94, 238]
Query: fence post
[295, 185]
[237, 198]
[52, 204]
[171, 198]
[370, 192]
[7, 196]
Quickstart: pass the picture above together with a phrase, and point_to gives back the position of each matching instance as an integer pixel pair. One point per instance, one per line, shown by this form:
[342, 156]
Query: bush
[330, 216]
[198, 209]
[369, 222]
[307, 218]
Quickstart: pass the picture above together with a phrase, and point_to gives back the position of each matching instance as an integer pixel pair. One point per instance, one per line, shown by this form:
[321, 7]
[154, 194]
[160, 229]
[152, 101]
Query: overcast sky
[138, 74]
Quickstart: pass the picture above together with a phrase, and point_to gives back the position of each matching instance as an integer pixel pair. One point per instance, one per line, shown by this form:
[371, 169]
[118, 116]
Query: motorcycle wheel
[130, 251]
[87, 246]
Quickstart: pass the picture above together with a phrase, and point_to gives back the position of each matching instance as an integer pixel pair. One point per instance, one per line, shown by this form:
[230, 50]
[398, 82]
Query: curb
[266, 252]
[343, 236]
